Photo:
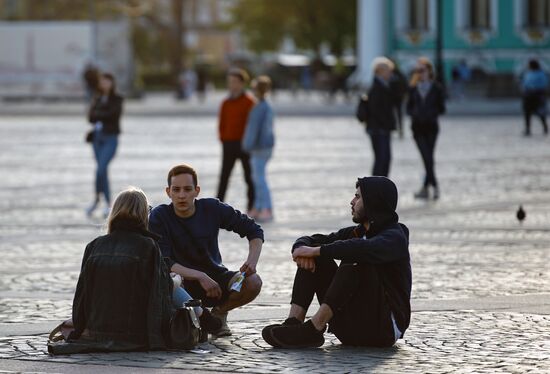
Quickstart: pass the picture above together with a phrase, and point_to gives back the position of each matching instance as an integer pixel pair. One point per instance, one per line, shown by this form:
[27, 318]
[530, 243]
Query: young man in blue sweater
[365, 300]
[189, 229]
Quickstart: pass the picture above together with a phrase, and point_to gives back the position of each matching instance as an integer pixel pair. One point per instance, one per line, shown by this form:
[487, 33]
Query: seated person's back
[123, 292]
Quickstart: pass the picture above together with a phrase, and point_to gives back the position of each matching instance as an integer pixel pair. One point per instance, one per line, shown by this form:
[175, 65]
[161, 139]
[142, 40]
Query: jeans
[426, 146]
[231, 152]
[180, 297]
[381, 146]
[258, 162]
[105, 146]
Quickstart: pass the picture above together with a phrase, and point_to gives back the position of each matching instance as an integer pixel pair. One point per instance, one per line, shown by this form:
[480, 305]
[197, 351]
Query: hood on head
[379, 200]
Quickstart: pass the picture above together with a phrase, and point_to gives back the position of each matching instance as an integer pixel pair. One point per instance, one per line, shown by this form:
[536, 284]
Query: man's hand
[305, 251]
[212, 288]
[177, 279]
[306, 263]
[249, 267]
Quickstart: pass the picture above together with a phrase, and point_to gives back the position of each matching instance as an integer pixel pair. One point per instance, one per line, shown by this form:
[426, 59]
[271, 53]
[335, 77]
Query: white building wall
[371, 38]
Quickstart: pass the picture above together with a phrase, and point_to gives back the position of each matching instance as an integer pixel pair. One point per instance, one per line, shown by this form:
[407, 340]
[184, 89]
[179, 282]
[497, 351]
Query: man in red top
[233, 116]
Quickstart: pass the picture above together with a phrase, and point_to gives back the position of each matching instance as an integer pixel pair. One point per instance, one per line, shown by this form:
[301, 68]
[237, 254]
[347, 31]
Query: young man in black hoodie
[365, 300]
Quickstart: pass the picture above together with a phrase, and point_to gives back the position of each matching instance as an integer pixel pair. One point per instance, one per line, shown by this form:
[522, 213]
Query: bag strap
[193, 316]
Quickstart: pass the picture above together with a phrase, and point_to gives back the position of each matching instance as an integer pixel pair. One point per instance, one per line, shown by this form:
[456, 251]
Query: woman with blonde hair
[425, 104]
[125, 296]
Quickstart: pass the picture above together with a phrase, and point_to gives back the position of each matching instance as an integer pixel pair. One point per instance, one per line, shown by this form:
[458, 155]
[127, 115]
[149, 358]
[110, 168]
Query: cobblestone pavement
[468, 245]
[437, 342]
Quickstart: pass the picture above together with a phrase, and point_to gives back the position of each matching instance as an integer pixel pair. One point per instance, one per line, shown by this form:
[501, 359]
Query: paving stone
[454, 340]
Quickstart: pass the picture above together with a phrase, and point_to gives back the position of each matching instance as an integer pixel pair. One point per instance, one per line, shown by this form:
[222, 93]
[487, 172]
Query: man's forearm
[254, 250]
[186, 273]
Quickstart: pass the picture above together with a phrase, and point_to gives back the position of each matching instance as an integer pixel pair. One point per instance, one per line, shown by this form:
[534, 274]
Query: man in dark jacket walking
[365, 300]
[380, 115]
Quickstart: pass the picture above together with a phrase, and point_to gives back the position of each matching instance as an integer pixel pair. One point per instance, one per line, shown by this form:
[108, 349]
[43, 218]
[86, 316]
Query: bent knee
[253, 284]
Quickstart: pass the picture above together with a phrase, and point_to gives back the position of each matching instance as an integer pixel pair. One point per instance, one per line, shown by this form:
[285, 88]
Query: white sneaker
[91, 208]
[106, 211]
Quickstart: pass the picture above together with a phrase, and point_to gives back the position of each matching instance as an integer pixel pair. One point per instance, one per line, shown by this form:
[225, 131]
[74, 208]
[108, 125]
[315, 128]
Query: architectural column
[371, 37]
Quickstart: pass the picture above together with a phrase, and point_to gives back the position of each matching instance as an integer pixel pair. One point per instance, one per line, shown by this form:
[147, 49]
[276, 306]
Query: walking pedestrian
[232, 122]
[380, 115]
[425, 104]
[104, 116]
[460, 75]
[259, 140]
[399, 87]
[534, 85]
[366, 299]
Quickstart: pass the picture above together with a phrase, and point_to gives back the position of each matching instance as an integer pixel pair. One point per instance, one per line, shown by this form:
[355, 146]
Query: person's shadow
[332, 357]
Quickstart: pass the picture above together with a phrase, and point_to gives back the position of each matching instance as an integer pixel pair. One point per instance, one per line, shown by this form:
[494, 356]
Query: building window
[480, 14]
[419, 15]
[538, 14]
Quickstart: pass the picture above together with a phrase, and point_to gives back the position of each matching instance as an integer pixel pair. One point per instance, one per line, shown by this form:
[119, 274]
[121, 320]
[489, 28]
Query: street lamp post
[439, 44]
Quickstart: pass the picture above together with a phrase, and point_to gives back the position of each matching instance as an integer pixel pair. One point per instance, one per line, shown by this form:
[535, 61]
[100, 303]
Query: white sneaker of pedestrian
[91, 208]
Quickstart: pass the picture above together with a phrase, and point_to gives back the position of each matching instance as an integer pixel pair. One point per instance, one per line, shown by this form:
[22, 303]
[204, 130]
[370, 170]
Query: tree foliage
[310, 23]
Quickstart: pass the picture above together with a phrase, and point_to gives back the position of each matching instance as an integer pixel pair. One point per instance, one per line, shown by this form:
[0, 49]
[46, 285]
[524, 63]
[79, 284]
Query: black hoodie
[385, 245]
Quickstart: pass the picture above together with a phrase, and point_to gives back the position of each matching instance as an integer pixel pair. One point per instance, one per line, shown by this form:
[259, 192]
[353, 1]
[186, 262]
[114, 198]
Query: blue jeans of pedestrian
[426, 146]
[258, 163]
[381, 146]
[105, 146]
[180, 296]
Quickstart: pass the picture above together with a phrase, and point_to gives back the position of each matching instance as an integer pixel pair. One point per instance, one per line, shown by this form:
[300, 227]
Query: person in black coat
[365, 300]
[123, 296]
[425, 104]
[381, 116]
[104, 116]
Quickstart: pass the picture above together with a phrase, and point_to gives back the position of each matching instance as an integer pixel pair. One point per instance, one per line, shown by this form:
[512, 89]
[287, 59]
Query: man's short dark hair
[239, 73]
[182, 169]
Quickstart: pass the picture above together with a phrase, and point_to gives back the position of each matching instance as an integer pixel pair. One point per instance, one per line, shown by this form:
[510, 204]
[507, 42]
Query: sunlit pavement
[481, 290]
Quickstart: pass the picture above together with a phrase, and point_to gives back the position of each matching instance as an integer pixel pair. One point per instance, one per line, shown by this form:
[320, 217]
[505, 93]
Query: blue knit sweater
[193, 242]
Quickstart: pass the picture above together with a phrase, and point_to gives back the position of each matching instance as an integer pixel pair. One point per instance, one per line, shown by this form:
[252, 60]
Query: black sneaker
[266, 332]
[208, 322]
[304, 335]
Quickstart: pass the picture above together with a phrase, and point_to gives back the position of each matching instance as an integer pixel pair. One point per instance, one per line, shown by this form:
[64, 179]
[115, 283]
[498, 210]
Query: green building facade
[496, 38]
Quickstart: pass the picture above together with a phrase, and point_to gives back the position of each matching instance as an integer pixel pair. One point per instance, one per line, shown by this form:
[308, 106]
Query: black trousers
[381, 145]
[362, 316]
[534, 104]
[426, 147]
[232, 151]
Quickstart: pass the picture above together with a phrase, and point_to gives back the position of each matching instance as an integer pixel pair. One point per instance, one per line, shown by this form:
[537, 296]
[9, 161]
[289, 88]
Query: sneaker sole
[278, 344]
[266, 335]
[221, 334]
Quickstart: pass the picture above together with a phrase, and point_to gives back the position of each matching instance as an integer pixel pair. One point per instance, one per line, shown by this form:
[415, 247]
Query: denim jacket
[259, 128]
[534, 81]
[123, 296]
